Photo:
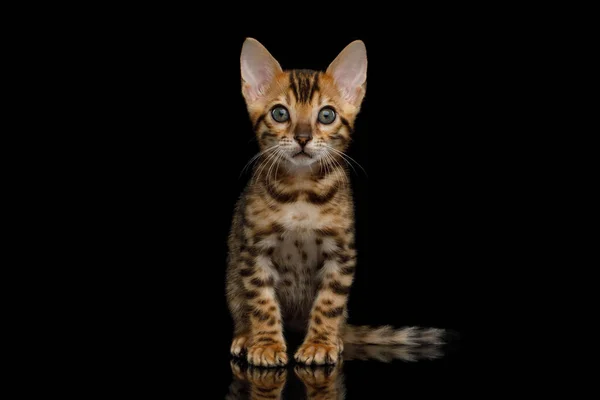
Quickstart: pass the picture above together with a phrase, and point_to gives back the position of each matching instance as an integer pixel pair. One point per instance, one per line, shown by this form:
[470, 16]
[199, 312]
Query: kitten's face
[302, 117]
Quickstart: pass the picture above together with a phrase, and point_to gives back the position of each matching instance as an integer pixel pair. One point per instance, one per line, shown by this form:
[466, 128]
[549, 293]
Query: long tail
[389, 353]
[387, 335]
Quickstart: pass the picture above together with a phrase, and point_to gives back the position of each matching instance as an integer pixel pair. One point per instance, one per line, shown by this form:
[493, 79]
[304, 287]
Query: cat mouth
[301, 153]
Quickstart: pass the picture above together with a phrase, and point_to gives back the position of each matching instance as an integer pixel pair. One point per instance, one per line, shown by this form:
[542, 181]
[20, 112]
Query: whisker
[346, 158]
[277, 169]
[338, 153]
[255, 157]
[273, 163]
[270, 163]
[342, 172]
[327, 164]
[321, 168]
[337, 169]
[260, 167]
[264, 164]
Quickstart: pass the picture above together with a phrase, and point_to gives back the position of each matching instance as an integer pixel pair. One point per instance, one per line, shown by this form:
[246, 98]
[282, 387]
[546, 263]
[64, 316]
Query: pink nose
[302, 140]
[303, 134]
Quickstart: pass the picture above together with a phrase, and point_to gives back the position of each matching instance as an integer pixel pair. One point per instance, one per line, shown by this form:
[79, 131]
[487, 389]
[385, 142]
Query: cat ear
[258, 69]
[349, 72]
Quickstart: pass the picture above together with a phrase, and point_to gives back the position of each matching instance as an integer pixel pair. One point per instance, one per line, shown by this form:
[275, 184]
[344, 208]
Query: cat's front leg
[323, 343]
[264, 342]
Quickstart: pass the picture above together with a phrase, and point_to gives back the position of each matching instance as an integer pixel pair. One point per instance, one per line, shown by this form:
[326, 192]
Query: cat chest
[299, 244]
[301, 217]
[297, 251]
[297, 260]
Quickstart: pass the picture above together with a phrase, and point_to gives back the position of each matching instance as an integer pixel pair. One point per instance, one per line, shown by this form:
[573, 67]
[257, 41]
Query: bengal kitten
[292, 253]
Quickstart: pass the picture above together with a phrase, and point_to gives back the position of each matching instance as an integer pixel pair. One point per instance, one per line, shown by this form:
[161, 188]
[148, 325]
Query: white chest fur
[301, 217]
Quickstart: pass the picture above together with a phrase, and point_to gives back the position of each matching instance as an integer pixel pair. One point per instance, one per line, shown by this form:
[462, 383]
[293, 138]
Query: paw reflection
[316, 382]
[323, 382]
[256, 382]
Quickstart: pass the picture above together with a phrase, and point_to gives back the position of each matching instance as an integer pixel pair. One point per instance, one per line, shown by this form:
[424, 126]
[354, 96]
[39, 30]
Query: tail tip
[450, 335]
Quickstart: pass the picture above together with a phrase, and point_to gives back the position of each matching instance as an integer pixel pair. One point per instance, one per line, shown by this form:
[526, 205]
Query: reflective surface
[325, 382]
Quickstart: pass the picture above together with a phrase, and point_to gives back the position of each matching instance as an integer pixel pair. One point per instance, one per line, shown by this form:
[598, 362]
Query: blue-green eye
[280, 114]
[326, 115]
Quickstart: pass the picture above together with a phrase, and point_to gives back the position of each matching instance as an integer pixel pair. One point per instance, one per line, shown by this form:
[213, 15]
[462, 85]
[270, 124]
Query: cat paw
[267, 355]
[318, 353]
[238, 346]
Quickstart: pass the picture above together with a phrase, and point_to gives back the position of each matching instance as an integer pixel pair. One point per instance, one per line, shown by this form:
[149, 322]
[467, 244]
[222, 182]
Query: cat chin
[300, 164]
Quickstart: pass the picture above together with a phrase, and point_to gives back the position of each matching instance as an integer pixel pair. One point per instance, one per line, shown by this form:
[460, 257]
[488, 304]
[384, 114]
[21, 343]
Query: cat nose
[302, 139]
[303, 134]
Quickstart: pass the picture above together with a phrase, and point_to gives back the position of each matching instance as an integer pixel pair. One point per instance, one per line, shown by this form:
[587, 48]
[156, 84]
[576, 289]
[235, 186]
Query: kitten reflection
[315, 383]
[258, 383]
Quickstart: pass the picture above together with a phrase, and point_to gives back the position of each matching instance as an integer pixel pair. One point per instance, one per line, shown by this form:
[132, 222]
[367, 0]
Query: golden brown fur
[291, 249]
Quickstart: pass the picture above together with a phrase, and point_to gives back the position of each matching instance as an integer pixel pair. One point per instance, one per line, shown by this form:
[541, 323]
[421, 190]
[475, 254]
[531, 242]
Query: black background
[171, 135]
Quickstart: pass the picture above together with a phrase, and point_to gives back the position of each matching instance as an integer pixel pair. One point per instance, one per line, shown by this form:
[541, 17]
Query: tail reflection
[317, 383]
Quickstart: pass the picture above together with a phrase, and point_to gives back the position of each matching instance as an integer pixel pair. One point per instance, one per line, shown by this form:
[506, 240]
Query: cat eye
[326, 115]
[280, 114]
